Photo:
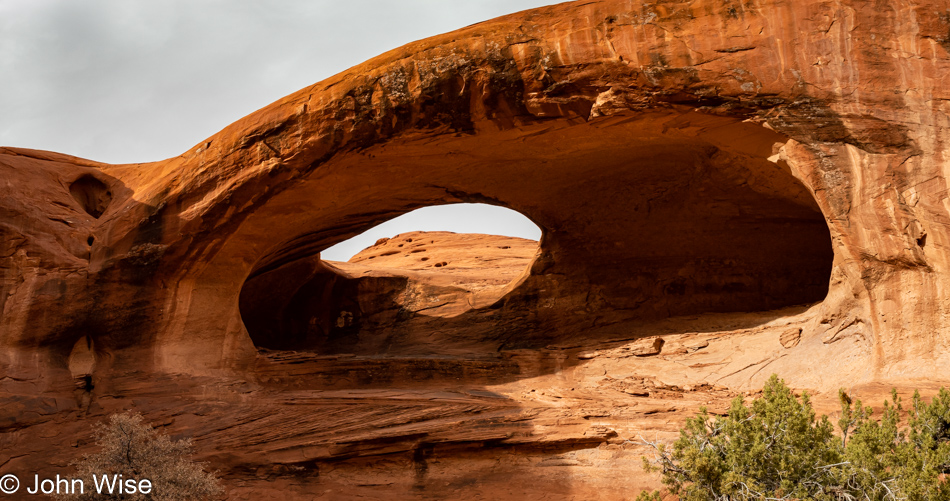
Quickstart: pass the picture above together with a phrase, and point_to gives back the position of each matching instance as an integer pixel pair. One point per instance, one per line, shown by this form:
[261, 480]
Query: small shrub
[778, 449]
[133, 449]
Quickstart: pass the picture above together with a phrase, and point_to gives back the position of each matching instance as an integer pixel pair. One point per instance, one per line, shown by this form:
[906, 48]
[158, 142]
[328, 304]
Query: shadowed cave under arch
[321, 305]
[636, 228]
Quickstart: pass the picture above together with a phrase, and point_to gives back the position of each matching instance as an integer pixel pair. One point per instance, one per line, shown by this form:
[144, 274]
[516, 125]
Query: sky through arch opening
[457, 218]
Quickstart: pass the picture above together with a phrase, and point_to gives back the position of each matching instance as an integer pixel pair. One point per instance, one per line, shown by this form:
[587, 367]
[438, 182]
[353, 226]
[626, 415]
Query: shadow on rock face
[92, 195]
[634, 231]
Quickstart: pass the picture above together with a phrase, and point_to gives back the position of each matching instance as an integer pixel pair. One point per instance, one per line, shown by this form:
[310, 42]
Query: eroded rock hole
[673, 230]
[92, 194]
[366, 289]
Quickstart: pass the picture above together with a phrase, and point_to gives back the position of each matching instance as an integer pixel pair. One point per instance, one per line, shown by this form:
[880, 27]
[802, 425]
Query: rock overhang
[830, 118]
[654, 214]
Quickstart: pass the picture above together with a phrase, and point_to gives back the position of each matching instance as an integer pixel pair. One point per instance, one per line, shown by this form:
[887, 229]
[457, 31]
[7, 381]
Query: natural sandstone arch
[568, 83]
[715, 122]
[666, 224]
[708, 246]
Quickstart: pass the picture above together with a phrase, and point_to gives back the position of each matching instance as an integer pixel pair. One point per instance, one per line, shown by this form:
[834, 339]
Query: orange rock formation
[726, 190]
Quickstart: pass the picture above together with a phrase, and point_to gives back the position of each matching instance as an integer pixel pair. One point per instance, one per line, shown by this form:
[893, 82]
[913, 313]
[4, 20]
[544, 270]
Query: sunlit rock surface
[725, 190]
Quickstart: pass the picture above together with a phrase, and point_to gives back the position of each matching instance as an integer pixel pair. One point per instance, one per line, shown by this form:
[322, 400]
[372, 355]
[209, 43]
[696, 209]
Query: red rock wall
[682, 158]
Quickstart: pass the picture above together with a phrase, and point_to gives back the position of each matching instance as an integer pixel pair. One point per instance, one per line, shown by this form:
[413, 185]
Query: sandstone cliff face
[760, 183]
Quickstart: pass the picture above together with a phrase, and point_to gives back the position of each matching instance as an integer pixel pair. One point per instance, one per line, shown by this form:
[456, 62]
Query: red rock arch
[719, 125]
[638, 223]
[581, 98]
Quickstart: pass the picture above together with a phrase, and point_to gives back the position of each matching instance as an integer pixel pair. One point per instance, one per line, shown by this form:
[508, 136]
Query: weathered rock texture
[702, 171]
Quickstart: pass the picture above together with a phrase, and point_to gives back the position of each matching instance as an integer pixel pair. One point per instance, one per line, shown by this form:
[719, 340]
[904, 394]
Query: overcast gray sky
[139, 80]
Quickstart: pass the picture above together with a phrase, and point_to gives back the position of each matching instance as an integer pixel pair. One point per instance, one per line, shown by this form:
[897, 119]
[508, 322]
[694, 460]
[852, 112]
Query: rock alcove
[313, 304]
[92, 195]
[638, 227]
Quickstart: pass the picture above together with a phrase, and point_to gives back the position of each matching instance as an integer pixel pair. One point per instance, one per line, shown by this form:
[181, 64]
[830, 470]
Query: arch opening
[434, 262]
[642, 222]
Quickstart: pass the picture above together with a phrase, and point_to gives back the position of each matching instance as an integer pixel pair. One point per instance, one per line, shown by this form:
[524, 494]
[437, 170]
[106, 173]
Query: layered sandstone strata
[760, 184]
